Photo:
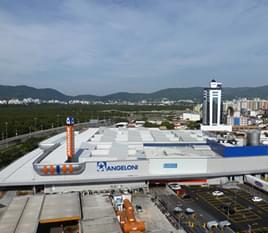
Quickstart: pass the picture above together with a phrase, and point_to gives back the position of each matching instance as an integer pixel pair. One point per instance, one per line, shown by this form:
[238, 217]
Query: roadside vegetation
[21, 119]
[193, 124]
[10, 153]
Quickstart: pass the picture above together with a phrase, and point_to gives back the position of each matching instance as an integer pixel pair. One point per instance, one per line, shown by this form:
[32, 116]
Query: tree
[167, 124]
[193, 125]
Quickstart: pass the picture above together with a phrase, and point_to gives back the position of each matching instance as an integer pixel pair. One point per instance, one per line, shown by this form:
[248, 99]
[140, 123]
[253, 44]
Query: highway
[44, 132]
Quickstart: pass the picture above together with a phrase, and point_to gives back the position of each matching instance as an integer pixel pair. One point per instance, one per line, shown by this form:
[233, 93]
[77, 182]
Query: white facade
[139, 154]
[191, 116]
[227, 128]
[215, 107]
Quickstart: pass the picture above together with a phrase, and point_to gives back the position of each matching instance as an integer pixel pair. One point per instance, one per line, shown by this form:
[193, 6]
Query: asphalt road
[46, 131]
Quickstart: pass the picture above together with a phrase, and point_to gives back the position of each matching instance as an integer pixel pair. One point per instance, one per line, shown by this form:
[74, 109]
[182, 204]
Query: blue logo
[101, 166]
[105, 167]
[69, 120]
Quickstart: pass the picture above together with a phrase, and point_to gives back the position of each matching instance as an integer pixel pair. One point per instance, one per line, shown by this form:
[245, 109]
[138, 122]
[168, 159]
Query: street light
[58, 122]
[6, 123]
[35, 119]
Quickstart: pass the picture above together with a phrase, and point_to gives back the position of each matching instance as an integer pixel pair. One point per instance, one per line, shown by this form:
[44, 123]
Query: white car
[217, 193]
[256, 199]
[175, 186]
[125, 191]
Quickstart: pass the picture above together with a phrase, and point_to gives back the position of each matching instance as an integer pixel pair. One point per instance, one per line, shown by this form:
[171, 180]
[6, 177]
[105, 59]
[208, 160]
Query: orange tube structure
[127, 219]
[127, 205]
[64, 169]
[70, 142]
[134, 226]
[52, 169]
[71, 168]
[45, 169]
[130, 216]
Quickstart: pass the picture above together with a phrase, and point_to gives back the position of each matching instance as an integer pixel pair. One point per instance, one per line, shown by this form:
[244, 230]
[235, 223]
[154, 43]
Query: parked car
[139, 208]
[174, 186]
[212, 224]
[217, 193]
[177, 210]
[224, 223]
[256, 199]
[189, 211]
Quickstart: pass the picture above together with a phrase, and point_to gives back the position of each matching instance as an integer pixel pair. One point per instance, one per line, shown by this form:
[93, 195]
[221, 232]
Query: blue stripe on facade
[238, 151]
[172, 144]
[170, 165]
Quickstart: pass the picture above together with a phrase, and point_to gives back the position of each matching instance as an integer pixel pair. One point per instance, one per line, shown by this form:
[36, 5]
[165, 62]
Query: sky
[106, 46]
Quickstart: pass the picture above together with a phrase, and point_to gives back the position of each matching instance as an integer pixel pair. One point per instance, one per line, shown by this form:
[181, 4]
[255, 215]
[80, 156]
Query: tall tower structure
[70, 138]
[212, 104]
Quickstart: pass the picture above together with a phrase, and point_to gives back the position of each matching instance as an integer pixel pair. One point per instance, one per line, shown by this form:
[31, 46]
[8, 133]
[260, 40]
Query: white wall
[237, 164]
[191, 116]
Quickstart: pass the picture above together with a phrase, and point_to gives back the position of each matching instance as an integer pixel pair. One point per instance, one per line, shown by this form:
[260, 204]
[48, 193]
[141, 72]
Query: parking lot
[192, 222]
[235, 205]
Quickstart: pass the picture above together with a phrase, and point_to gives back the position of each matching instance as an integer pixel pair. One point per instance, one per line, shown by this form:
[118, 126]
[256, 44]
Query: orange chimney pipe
[70, 138]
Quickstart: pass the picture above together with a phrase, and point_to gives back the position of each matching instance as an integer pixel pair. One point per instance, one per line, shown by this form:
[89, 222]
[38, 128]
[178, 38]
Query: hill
[192, 93]
[20, 92]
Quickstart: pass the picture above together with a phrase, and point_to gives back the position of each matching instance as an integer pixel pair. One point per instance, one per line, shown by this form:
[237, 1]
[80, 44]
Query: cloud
[134, 45]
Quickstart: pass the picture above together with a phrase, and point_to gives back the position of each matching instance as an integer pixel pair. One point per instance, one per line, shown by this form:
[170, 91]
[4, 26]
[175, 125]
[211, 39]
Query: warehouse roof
[98, 215]
[22, 215]
[60, 207]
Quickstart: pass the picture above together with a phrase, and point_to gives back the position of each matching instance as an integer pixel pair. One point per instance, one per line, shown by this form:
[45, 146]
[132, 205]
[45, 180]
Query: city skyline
[102, 47]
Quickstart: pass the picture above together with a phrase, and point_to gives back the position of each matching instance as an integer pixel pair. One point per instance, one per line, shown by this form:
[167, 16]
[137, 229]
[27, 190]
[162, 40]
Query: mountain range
[189, 93]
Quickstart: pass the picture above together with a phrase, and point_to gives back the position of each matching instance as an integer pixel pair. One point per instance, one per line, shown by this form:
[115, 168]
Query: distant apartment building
[237, 121]
[248, 104]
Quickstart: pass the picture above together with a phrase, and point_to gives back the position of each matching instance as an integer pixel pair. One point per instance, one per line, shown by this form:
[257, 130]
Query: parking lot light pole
[35, 122]
[6, 123]
[249, 228]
